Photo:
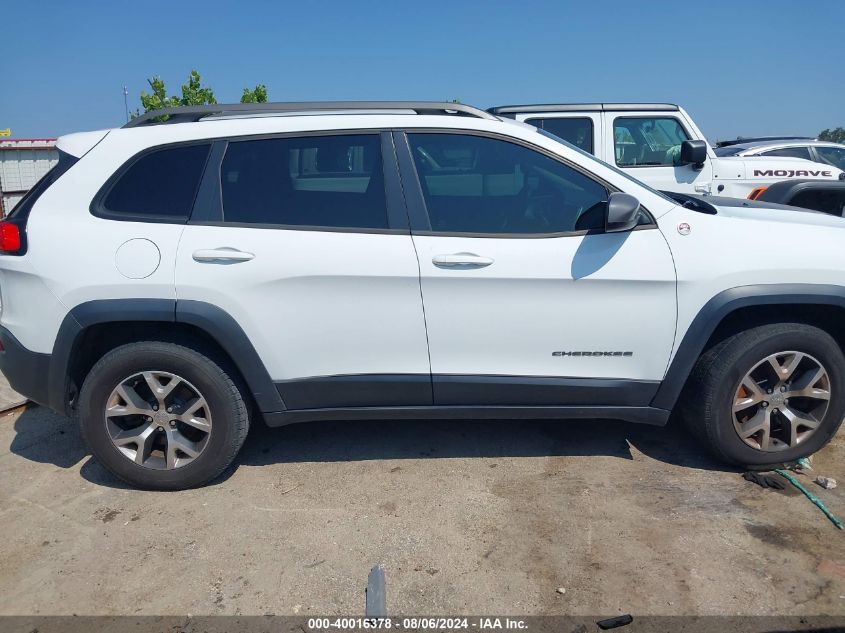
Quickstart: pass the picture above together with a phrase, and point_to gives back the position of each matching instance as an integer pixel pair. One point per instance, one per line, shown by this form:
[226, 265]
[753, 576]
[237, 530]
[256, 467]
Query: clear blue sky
[750, 68]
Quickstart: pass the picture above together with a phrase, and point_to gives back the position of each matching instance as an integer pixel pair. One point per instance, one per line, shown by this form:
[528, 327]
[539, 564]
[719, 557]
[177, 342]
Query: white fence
[22, 163]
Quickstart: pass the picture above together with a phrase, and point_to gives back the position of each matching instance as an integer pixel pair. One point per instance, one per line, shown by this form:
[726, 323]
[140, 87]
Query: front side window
[789, 152]
[325, 181]
[473, 184]
[832, 156]
[160, 184]
[575, 130]
[648, 141]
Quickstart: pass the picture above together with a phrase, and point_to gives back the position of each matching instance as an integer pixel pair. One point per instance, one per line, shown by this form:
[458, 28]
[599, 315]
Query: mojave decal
[792, 173]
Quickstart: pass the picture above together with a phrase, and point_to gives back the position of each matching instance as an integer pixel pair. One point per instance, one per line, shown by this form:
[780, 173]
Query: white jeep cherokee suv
[171, 280]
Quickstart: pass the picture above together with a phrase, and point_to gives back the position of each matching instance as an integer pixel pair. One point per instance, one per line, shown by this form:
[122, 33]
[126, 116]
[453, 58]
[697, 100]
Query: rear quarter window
[160, 185]
[789, 152]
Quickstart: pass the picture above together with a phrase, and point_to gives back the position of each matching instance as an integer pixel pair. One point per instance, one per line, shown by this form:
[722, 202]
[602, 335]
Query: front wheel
[162, 416]
[769, 395]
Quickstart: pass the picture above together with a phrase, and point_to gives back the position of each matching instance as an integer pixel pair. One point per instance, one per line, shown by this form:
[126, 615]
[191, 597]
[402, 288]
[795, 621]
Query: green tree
[193, 93]
[158, 99]
[836, 135]
[256, 95]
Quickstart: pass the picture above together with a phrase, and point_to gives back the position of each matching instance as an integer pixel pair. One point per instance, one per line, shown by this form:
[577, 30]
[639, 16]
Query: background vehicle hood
[768, 213]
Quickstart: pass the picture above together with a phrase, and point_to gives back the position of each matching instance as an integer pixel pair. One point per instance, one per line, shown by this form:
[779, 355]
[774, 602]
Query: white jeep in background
[170, 282]
[661, 145]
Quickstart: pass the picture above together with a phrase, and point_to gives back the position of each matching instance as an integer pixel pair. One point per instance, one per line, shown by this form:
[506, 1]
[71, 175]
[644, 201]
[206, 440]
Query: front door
[527, 300]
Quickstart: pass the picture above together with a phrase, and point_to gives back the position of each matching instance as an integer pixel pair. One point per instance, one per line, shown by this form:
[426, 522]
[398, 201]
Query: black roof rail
[510, 110]
[762, 139]
[187, 114]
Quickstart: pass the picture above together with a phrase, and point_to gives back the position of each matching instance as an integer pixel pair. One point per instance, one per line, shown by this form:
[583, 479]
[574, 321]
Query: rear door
[304, 241]
[527, 300]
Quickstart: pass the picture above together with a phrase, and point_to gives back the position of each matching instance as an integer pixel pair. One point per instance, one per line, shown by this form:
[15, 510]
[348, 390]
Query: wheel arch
[738, 308]
[826, 196]
[91, 329]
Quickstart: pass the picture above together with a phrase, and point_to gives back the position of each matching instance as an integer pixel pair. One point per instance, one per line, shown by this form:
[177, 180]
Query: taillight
[756, 193]
[10, 238]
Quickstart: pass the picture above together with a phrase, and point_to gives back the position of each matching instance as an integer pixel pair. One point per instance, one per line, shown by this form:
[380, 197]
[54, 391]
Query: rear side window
[161, 184]
[332, 181]
[578, 131]
[789, 152]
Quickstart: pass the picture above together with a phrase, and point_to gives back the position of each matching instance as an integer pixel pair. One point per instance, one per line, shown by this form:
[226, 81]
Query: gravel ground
[9, 398]
[467, 517]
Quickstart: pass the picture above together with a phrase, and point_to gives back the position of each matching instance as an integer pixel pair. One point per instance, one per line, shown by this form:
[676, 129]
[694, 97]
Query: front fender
[718, 308]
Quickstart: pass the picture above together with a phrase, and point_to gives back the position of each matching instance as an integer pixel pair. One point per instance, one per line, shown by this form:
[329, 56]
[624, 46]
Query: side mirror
[623, 213]
[693, 153]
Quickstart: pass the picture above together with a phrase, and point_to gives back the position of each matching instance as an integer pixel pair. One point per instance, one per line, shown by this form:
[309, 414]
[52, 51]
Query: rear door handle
[461, 260]
[223, 255]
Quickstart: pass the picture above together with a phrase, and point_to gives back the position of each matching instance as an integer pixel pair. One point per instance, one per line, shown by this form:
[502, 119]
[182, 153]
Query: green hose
[816, 501]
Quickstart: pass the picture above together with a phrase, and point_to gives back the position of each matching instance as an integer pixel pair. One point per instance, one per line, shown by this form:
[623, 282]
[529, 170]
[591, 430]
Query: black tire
[229, 413]
[707, 401]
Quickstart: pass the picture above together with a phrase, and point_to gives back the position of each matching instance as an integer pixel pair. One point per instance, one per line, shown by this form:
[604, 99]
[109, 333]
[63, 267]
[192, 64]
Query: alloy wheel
[781, 401]
[158, 420]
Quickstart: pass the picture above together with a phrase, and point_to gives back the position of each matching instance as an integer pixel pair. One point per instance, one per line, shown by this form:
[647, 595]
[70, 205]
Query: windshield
[640, 183]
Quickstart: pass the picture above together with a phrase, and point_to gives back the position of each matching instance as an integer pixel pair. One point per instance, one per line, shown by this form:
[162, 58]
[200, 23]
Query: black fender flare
[786, 191]
[212, 320]
[719, 307]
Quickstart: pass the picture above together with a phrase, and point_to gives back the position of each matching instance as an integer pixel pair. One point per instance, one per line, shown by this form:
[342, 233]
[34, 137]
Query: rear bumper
[26, 371]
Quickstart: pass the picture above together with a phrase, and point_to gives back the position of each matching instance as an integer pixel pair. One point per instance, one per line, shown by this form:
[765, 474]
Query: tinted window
[473, 184]
[162, 183]
[648, 141]
[578, 131]
[330, 181]
[789, 152]
[623, 174]
[832, 155]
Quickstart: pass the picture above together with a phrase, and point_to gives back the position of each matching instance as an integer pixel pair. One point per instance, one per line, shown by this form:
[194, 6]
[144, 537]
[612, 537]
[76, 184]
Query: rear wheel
[162, 416]
[769, 395]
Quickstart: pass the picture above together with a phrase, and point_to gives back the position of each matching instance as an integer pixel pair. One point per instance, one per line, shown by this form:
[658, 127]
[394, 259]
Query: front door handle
[461, 260]
[222, 255]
